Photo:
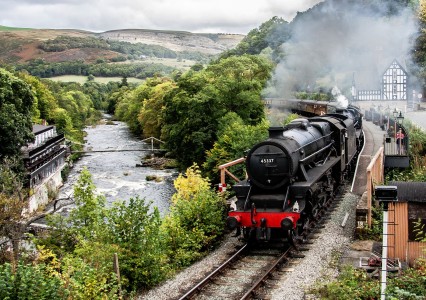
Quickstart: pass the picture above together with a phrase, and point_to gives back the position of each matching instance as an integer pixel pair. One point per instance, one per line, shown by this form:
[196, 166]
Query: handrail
[223, 170]
[374, 176]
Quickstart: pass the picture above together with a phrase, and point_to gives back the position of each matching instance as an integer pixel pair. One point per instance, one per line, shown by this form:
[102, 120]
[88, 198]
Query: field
[83, 79]
[184, 64]
[5, 28]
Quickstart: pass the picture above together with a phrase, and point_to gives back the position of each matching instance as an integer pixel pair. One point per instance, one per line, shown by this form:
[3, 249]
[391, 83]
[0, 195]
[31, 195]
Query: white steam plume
[339, 39]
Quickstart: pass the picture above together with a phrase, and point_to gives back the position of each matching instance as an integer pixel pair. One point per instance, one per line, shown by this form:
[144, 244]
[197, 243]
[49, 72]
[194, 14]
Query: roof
[37, 129]
[410, 191]
[369, 77]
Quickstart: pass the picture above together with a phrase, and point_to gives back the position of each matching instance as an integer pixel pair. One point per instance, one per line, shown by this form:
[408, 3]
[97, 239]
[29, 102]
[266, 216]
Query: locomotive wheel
[249, 235]
[292, 239]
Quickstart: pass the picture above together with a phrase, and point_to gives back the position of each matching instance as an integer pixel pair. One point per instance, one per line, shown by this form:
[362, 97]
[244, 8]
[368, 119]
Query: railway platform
[374, 137]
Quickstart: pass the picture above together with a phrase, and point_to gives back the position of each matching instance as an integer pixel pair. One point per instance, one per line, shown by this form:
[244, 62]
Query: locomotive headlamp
[232, 222]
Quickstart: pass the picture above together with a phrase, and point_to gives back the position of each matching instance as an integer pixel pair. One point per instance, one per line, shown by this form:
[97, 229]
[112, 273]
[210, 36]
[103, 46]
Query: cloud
[238, 16]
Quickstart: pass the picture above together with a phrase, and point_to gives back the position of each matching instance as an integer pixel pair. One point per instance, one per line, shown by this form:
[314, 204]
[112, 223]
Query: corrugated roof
[410, 191]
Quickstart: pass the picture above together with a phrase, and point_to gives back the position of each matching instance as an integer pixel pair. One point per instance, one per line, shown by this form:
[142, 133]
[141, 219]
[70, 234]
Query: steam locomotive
[293, 174]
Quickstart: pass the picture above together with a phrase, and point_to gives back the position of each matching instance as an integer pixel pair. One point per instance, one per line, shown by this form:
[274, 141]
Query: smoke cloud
[339, 41]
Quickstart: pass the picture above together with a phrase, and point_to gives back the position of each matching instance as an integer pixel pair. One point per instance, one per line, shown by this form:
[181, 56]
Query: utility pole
[385, 195]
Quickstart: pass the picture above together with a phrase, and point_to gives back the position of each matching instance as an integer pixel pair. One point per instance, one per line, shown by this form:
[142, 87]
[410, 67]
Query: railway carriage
[308, 108]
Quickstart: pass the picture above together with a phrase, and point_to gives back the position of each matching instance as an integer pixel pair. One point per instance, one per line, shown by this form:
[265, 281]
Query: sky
[197, 16]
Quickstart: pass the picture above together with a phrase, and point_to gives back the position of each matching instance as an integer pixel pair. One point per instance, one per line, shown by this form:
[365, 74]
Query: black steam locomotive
[293, 173]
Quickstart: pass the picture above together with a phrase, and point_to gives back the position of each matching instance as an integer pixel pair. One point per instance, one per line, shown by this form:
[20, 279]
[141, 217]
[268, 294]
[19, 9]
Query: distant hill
[176, 40]
[19, 45]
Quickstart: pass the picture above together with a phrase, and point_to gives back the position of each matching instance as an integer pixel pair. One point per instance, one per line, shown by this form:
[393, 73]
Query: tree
[88, 215]
[272, 33]
[129, 105]
[16, 101]
[234, 139]
[150, 116]
[45, 102]
[193, 110]
[12, 206]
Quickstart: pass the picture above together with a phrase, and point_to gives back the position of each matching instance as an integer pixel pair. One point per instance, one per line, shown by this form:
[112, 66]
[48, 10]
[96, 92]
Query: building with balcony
[44, 160]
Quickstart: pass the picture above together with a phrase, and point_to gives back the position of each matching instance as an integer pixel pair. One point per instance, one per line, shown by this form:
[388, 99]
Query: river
[115, 174]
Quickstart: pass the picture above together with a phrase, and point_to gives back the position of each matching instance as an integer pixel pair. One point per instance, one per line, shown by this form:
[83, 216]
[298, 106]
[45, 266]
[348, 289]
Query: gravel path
[319, 263]
[321, 260]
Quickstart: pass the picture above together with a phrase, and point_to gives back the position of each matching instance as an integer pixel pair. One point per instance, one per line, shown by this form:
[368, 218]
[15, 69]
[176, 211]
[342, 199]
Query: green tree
[135, 227]
[150, 115]
[78, 105]
[13, 204]
[62, 121]
[234, 139]
[129, 105]
[45, 102]
[270, 34]
[16, 102]
[90, 208]
[238, 82]
[29, 282]
[193, 110]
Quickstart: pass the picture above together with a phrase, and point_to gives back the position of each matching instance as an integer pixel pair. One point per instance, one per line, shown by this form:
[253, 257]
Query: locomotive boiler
[293, 174]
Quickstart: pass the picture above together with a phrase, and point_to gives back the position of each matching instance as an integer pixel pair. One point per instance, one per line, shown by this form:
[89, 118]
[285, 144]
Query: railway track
[240, 275]
[250, 273]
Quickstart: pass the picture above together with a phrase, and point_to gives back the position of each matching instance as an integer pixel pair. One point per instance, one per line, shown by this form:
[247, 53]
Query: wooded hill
[20, 45]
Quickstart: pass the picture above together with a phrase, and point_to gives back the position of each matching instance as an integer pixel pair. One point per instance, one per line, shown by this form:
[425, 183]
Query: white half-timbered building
[395, 82]
[394, 85]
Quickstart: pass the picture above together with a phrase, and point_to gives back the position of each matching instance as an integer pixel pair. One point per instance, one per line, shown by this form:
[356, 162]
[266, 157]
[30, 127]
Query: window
[416, 211]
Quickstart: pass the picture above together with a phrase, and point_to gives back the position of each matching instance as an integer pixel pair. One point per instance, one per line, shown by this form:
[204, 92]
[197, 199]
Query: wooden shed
[403, 215]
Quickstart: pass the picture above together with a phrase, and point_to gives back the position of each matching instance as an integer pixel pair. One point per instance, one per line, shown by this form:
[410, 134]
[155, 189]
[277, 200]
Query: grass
[184, 64]
[6, 28]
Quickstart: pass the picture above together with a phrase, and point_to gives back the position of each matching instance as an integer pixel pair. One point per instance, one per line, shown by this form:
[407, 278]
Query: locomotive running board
[313, 175]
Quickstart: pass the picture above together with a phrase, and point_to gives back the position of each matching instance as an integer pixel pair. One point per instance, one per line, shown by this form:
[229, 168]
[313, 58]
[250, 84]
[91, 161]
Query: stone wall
[40, 195]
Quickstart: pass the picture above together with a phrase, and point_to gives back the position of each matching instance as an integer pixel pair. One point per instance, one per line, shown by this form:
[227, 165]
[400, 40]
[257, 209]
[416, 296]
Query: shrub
[195, 221]
[411, 284]
[29, 282]
[352, 284]
[135, 227]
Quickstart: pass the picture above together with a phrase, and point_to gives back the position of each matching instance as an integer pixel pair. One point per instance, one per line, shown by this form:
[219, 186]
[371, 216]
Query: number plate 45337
[267, 160]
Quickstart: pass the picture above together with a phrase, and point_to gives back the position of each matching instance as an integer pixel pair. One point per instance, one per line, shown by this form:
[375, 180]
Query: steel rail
[277, 262]
[202, 283]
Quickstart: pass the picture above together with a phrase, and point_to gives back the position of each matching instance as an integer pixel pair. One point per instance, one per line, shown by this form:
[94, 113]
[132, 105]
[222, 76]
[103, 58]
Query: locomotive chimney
[276, 132]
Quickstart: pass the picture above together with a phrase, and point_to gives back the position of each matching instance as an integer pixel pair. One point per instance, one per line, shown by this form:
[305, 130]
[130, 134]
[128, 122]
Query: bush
[411, 284]
[352, 284]
[356, 284]
[29, 282]
[195, 221]
[136, 229]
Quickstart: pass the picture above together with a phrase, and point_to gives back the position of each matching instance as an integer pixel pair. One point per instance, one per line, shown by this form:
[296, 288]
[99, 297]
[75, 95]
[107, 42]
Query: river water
[115, 174]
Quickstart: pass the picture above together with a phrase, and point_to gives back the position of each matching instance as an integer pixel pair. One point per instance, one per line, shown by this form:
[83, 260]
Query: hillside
[176, 40]
[18, 45]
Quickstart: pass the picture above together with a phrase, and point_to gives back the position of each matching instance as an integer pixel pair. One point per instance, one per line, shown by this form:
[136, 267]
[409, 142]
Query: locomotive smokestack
[275, 132]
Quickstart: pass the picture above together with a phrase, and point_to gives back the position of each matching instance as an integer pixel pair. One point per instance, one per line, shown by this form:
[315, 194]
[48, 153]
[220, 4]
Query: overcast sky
[219, 16]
